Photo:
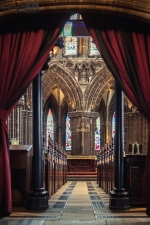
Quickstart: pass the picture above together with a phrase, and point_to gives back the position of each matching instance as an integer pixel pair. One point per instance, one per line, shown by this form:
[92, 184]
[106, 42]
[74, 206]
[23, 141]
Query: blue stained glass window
[97, 134]
[68, 134]
[50, 128]
[113, 125]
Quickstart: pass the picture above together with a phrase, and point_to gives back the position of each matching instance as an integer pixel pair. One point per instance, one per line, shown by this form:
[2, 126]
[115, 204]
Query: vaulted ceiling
[139, 9]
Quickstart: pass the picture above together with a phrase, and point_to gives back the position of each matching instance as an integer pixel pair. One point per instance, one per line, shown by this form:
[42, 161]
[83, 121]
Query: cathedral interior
[78, 128]
[78, 86]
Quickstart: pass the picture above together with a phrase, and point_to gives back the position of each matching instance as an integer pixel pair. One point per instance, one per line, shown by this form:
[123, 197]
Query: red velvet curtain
[125, 47]
[25, 44]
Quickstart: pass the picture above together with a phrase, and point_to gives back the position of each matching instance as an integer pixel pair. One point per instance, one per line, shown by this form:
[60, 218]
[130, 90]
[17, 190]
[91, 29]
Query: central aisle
[83, 202]
[78, 203]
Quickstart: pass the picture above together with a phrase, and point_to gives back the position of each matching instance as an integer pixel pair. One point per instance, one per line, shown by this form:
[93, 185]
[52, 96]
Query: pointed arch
[99, 84]
[51, 103]
[56, 75]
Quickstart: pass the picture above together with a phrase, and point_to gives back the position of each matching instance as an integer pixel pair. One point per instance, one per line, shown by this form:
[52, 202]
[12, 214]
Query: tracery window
[97, 134]
[68, 134]
[50, 126]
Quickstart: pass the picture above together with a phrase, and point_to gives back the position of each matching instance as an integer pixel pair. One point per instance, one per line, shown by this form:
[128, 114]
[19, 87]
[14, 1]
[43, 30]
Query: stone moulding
[81, 157]
[83, 114]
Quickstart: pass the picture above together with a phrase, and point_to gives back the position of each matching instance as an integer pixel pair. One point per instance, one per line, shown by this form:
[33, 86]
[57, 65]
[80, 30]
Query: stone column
[118, 196]
[83, 127]
[38, 197]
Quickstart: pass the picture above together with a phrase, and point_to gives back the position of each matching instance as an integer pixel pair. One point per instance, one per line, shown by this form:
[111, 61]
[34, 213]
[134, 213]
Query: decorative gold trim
[81, 157]
[139, 9]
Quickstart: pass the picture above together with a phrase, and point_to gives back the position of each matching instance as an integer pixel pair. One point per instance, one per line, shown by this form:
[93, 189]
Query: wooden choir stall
[21, 172]
[134, 164]
[54, 171]
[55, 168]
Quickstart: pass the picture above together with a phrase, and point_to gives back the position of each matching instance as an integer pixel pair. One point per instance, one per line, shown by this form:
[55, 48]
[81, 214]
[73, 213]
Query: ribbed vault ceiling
[130, 8]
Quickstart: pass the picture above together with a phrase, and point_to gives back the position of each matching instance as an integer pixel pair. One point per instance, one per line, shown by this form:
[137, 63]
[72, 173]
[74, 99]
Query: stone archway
[97, 88]
[59, 77]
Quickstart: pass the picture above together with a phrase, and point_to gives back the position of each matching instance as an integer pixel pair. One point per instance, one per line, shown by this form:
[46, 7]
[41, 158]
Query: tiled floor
[78, 203]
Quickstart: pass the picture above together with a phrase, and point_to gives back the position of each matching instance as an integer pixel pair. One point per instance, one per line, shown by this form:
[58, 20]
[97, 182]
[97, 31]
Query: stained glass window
[113, 125]
[67, 30]
[74, 16]
[70, 45]
[50, 128]
[93, 48]
[97, 134]
[68, 134]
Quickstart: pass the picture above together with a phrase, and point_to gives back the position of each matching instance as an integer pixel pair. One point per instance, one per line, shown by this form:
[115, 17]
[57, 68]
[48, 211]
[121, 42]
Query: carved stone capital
[79, 114]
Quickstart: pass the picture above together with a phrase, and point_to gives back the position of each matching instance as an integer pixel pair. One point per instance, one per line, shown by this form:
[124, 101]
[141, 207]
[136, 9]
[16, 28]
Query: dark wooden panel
[134, 170]
[21, 171]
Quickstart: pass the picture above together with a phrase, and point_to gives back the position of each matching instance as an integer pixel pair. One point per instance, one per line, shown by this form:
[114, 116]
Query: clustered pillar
[49, 167]
[38, 197]
[111, 161]
[119, 198]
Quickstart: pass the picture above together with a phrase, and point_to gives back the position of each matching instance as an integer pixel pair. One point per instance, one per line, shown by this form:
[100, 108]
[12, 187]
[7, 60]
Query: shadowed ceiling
[139, 9]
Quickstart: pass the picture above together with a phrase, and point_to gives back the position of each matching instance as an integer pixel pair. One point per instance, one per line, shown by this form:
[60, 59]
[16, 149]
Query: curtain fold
[25, 43]
[125, 47]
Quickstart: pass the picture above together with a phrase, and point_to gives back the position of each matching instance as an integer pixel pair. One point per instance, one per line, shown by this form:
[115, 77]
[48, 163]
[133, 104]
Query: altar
[81, 165]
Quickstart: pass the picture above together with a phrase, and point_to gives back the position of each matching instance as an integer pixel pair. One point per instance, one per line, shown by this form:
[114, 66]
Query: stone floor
[78, 203]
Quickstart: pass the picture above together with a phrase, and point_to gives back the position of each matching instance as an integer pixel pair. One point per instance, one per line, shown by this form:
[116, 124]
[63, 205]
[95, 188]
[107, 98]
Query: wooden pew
[134, 171]
[55, 169]
[105, 167]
